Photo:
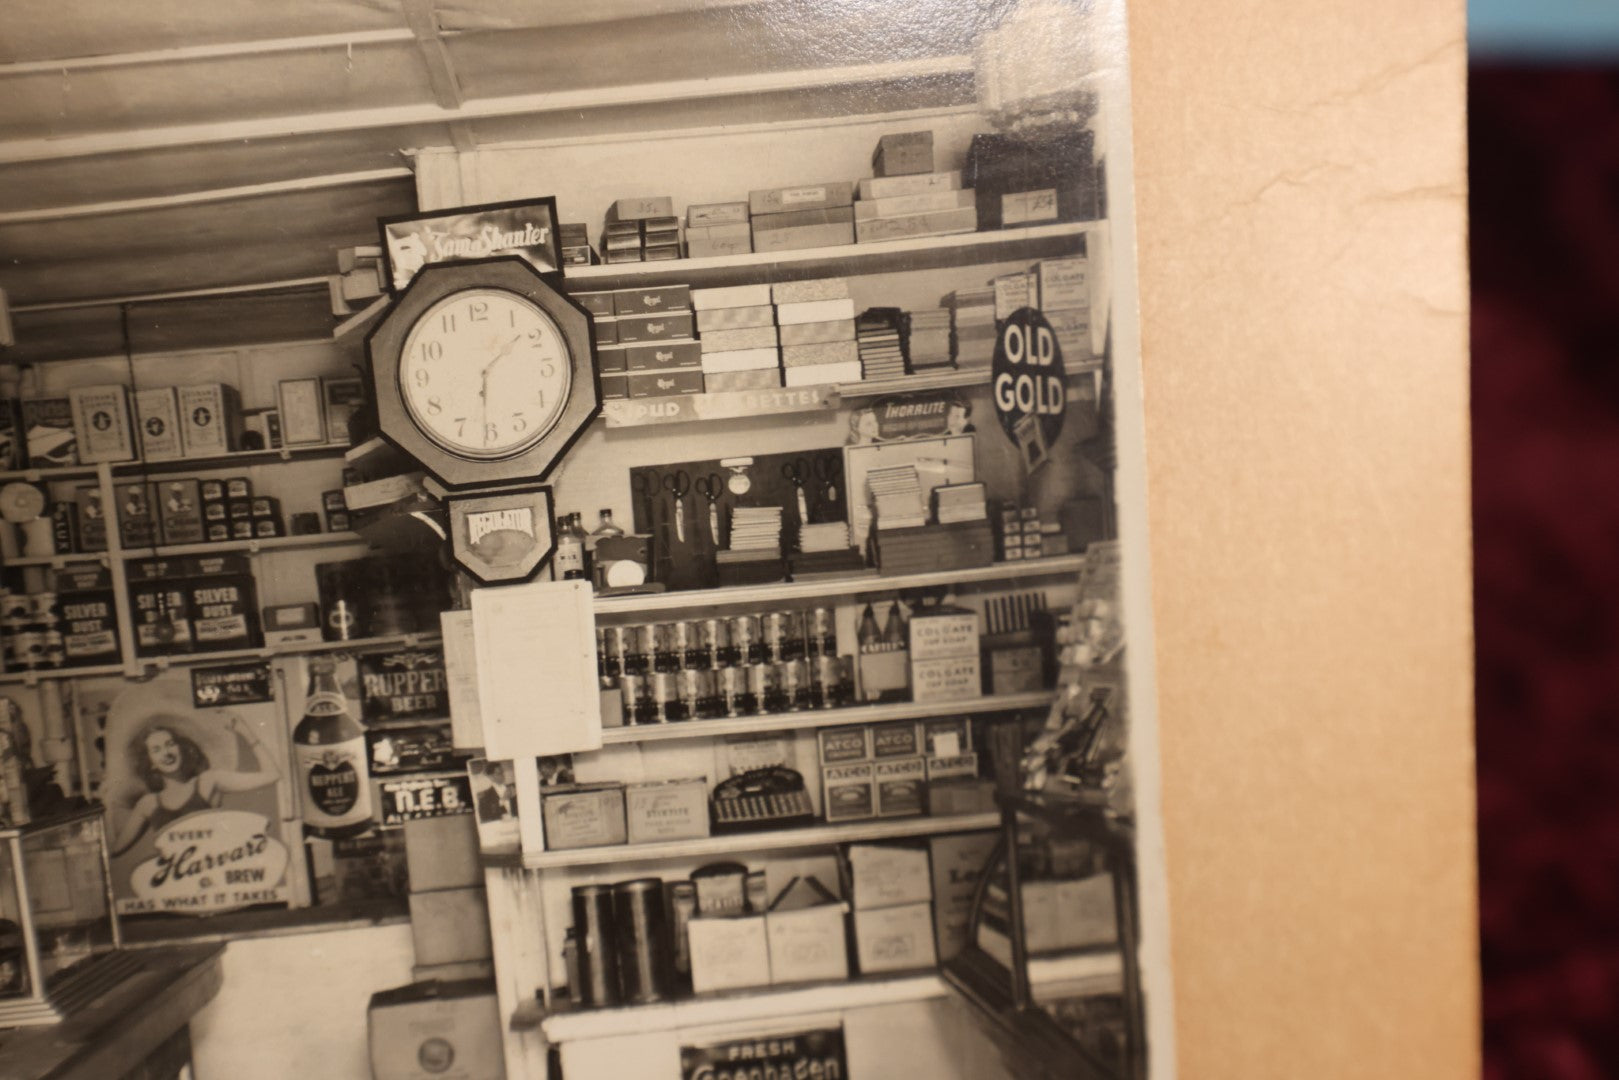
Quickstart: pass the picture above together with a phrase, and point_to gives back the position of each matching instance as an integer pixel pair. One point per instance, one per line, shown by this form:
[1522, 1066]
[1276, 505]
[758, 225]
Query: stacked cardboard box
[891, 890]
[928, 344]
[805, 216]
[897, 207]
[817, 332]
[972, 327]
[717, 229]
[574, 241]
[881, 335]
[641, 229]
[738, 337]
[945, 662]
[1063, 290]
[645, 343]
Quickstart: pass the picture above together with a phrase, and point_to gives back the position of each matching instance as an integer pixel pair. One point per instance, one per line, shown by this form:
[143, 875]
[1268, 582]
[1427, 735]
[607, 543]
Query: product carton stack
[804, 216]
[881, 336]
[644, 341]
[642, 229]
[449, 914]
[929, 340]
[1062, 287]
[905, 198]
[817, 332]
[574, 241]
[714, 230]
[891, 888]
[945, 661]
[737, 332]
[972, 327]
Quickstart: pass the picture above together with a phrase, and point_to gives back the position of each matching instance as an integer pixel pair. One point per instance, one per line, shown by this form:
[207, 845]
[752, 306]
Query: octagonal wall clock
[483, 371]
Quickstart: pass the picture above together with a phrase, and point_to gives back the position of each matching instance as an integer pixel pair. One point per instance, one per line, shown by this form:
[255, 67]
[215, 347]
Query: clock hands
[483, 390]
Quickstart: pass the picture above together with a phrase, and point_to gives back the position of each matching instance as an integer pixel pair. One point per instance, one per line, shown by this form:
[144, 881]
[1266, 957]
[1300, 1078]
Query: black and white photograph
[627, 541]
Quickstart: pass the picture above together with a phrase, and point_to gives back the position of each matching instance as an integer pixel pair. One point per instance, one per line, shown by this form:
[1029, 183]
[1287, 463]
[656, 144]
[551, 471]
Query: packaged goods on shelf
[886, 187]
[718, 241]
[653, 300]
[664, 327]
[926, 202]
[729, 953]
[101, 423]
[834, 233]
[824, 352]
[211, 419]
[752, 337]
[957, 861]
[811, 291]
[730, 296]
[666, 810]
[901, 785]
[341, 398]
[888, 875]
[949, 679]
[137, 525]
[948, 768]
[1072, 327]
[654, 356]
[1013, 291]
[805, 926]
[761, 378]
[849, 791]
[958, 546]
[816, 332]
[1033, 178]
[92, 517]
[583, 815]
[89, 617]
[709, 214]
[818, 374]
[895, 938]
[641, 207]
[768, 201]
[1062, 283]
[51, 440]
[735, 318]
[904, 153]
[932, 223]
[972, 327]
[756, 359]
[665, 383]
[596, 303]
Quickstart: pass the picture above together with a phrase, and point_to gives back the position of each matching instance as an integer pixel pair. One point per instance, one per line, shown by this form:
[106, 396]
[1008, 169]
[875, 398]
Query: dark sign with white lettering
[802, 1055]
[1027, 378]
[404, 685]
[232, 684]
[402, 800]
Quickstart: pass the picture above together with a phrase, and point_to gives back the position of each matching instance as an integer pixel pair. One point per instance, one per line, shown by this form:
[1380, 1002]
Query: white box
[895, 938]
[728, 954]
[950, 679]
[944, 632]
[958, 861]
[886, 875]
[822, 374]
[303, 412]
[101, 421]
[741, 360]
[808, 944]
[814, 311]
[730, 296]
[1069, 914]
[210, 418]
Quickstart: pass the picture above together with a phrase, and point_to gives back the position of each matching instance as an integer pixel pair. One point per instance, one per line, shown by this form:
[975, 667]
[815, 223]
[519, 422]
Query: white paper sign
[536, 658]
[461, 673]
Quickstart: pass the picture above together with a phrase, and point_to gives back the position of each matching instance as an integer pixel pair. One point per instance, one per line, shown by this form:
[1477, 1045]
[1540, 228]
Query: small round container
[826, 683]
[641, 931]
[665, 655]
[636, 645]
[795, 684]
[697, 694]
[746, 645]
[783, 633]
[618, 644]
[821, 632]
[714, 643]
[685, 642]
[731, 691]
[634, 690]
[666, 698]
[763, 688]
[775, 698]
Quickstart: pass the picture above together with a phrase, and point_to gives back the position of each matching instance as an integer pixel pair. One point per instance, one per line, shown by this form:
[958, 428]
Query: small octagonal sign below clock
[483, 371]
[503, 536]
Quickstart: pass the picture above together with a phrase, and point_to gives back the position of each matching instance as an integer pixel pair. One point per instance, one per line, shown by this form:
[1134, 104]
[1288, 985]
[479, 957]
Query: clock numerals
[421, 377]
[446, 322]
[432, 350]
[434, 406]
[477, 311]
[519, 423]
[491, 433]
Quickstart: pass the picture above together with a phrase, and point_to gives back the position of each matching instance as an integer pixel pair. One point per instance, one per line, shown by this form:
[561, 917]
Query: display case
[59, 939]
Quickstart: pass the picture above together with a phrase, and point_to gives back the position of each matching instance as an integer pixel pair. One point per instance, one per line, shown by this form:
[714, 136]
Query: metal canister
[28, 649]
[795, 684]
[746, 645]
[684, 638]
[763, 688]
[601, 654]
[665, 657]
[44, 606]
[617, 644]
[731, 691]
[642, 936]
[665, 697]
[821, 632]
[682, 907]
[775, 700]
[636, 702]
[635, 643]
[783, 633]
[714, 643]
[826, 683]
[594, 928]
[696, 694]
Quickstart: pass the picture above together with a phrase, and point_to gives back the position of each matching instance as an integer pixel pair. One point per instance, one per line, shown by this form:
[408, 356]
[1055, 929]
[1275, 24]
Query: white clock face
[485, 373]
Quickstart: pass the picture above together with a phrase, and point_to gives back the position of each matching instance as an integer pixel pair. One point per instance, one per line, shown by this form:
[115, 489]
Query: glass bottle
[869, 636]
[569, 562]
[329, 747]
[605, 530]
[894, 630]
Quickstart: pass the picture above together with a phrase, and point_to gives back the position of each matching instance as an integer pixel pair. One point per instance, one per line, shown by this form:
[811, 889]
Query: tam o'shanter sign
[527, 229]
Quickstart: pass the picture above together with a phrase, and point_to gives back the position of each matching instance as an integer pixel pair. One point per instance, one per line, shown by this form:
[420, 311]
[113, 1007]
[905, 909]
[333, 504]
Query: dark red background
[1545, 220]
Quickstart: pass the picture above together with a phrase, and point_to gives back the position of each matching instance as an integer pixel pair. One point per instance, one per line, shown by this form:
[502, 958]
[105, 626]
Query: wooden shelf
[828, 588]
[252, 547]
[31, 678]
[765, 1002]
[59, 561]
[780, 839]
[820, 718]
[265, 652]
[893, 256]
[235, 459]
[47, 473]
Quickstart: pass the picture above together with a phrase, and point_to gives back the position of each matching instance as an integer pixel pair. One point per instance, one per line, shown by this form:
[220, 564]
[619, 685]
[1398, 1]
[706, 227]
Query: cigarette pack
[597, 303]
[303, 420]
[730, 296]
[672, 354]
[885, 187]
[741, 360]
[661, 254]
[101, 420]
[92, 517]
[752, 337]
[611, 360]
[922, 203]
[948, 679]
[934, 223]
[50, 435]
[816, 332]
[735, 318]
[848, 791]
[807, 311]
[756, 379]
[800, 197]
[651, 301]
[606, 330]
[655, 327]
[801, 237]
[211, 418]
[726, 213]
[644, 384]
[824, 352]
[822, 374]
[642, 207]
[903, 154]
[615, 386]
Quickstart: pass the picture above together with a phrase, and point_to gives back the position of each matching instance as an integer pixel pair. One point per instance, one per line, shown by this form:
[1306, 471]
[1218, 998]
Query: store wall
[295, 1006]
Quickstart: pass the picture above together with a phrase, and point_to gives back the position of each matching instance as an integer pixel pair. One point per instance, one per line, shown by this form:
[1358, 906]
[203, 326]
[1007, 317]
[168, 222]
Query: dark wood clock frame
[386, 341]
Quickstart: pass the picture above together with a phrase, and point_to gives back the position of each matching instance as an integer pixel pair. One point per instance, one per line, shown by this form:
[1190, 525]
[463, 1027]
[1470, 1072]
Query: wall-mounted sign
[526, 228]
[413, 798]
[911, 416]
[231, 684]
[409, 684]
[1028, 380]
[724, 405]
[818, 1052]
[505, 536]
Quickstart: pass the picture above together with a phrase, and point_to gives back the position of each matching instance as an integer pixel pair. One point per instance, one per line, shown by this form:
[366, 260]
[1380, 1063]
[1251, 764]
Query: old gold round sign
[1028, 383]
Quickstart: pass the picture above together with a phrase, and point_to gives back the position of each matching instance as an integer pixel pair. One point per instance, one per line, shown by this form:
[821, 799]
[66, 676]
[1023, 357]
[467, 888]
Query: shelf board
[253, 547]
[820, 718]
[47, 473]
[266, 652]
[780, 839]
[893, 256]
[59, 561]
[234, 459]
[32, 677]
[637, 603]
[766, 1002]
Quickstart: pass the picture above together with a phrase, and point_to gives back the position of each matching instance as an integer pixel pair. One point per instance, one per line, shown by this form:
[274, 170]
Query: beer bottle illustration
[330, 750]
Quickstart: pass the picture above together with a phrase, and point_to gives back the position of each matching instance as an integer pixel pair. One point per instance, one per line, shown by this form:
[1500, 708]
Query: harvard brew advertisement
[194, 798]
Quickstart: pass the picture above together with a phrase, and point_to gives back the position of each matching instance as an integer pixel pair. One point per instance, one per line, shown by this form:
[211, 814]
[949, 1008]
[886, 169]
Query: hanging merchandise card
[536, 657]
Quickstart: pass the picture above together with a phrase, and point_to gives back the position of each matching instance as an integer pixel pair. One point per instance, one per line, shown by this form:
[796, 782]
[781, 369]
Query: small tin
[821, 632]
[28, 648]
[714, 643]
[696, 694]
[763, 688]
[683, 642]
[731, 691]
[617, 644]
[757, 892]
[213, 490]
[746, 646]
[776, 699]
[665, 657]
[43, 606]
[783, 634]
[826, 683]
[666, 698]
[795, 684]
[636, 643]
[15, 608]
[637, 695]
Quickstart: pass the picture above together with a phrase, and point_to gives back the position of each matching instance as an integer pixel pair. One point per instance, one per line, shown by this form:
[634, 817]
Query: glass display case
[59, 940]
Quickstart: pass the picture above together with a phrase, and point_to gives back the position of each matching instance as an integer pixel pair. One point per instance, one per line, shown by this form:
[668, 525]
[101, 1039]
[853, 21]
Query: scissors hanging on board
[796, 472]
[711, 487]
[677, 484]
[828, 468]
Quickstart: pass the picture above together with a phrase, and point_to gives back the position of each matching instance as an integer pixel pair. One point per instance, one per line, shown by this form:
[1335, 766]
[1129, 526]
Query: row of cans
[32, 648]
[18, 610]
[663, 697]
[709, 644]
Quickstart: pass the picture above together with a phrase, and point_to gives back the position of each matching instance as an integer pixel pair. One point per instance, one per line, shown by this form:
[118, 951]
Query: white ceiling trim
[221, 50]
[195, 198]
[20, 150]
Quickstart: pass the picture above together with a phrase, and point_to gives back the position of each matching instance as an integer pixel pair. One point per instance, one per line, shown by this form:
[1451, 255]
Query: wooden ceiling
[174, 146]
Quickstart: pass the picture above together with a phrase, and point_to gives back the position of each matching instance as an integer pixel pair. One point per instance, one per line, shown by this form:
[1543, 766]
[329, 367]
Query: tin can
[665, 697]
[684, 643]
[44, 606]
[642, 936]
[665, 656]
[776, 700]
[636, 644]
[757, 892]
[795, 684]
[746, 646]
[634, 690]
[697, 694]
[731, 691]
[714, 643]
[16, 608]
[28, 648]
[595, 929]
[682, 907]
[821, 632]
[826, 683]
[783, 633]
[763, 687]
[618, 643]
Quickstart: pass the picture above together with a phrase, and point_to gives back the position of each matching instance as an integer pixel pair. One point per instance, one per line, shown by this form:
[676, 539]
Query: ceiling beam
[210, 195]
[114, 142]
[423, 23]
[181, 294]
[218, 51]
